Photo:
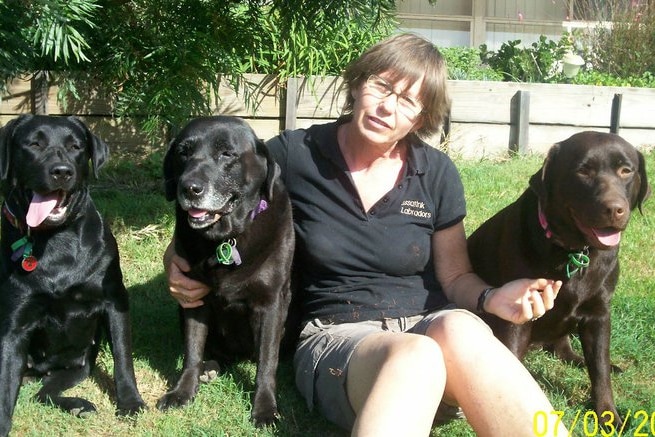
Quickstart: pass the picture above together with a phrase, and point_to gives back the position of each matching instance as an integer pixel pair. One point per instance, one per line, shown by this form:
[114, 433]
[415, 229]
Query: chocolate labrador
[61, 285]
[233, 225]
[567, 225]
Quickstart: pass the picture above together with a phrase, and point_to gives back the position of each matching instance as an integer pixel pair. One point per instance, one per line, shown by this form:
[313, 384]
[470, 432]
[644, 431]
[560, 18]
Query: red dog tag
[29, 263]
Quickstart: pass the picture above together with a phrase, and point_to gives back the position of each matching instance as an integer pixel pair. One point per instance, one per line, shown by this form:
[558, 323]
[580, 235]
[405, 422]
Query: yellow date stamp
[590, 424]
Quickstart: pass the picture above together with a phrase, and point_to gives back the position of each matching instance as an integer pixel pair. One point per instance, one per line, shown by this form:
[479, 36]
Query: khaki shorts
[324, 350]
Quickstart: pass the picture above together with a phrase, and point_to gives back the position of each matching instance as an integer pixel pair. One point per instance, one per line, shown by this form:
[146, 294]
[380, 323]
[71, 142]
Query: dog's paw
[130, 408]
[264, 410]
[78, 407]
[265, 418]
[173, 399]
[211, 370]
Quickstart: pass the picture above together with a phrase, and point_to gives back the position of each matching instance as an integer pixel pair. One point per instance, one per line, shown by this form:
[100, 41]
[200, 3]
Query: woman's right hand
[186, 291]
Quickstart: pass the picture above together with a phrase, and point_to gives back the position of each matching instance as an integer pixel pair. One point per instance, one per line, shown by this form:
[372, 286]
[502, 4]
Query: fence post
[519, 122]
[291, 103]
[615, 118]
[445, 129]
[39, 93]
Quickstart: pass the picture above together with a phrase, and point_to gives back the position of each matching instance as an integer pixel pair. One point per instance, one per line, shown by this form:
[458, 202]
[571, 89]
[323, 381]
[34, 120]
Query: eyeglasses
[380, 88]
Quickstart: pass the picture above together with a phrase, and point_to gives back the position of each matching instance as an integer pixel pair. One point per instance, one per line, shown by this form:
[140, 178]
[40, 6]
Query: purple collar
[261, 207]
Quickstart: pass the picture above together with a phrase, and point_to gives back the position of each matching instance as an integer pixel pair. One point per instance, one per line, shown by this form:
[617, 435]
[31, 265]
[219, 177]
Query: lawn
[130, 195]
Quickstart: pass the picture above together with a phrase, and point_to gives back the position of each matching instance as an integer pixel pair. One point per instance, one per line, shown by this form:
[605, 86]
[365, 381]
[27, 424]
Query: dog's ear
[272, 169]
[644, 188]
[539, 180]
[6, 134]
[98, 149]
[170, 182]
[99, 153]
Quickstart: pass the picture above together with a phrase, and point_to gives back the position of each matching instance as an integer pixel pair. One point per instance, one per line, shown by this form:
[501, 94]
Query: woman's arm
[517, 301]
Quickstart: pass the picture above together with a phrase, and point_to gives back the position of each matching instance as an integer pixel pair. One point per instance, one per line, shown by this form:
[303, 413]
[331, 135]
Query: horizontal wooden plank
[471, 140]
[320, 97]
[261, 90]
[480, 112]
[17, 99]
[637, 107]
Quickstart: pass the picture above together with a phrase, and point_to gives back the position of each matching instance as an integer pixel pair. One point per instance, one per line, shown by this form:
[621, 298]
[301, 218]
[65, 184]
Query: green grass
[130, 195]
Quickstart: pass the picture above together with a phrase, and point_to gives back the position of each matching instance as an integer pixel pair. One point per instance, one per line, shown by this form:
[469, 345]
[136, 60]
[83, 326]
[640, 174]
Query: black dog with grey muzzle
[234, 226]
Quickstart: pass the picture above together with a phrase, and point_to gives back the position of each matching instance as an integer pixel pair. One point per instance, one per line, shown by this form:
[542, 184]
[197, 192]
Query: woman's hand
[188, 292]
[523, 300]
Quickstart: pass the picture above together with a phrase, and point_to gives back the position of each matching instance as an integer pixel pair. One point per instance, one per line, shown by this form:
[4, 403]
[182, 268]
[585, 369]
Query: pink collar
[543, 222]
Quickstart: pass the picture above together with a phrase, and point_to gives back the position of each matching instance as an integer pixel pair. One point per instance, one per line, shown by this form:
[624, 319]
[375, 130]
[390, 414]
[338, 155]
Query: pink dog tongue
[608, 238]
[197, 213]
[40, 208]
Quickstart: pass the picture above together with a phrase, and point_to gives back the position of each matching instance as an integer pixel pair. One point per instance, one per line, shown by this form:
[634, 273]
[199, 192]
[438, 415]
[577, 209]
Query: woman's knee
[417, 350]
[459, 328]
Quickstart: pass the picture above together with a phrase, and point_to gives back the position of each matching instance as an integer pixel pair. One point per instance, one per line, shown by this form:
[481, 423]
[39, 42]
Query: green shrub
[646, 80]
[464, 63]
[626, 48]
[535, 63]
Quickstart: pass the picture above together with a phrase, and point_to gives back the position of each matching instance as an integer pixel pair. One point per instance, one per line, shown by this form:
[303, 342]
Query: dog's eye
[184, 150]
[585, 170]
[625, 171]
[74, 146]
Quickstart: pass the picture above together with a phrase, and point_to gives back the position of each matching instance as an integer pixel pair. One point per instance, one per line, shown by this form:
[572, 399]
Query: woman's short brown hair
[405, 56]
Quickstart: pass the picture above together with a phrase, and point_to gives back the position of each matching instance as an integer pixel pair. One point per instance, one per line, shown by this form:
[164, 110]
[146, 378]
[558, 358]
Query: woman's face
[384, 112]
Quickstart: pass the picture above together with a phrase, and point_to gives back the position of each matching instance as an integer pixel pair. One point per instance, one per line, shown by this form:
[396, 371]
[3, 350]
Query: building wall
[450, 23]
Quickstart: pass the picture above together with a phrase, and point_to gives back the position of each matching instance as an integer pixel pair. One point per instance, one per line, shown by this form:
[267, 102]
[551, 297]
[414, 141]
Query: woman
[382, 252]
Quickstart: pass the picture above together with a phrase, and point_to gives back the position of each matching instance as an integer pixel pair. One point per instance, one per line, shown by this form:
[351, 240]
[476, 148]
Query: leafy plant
[536, 63]
[163, 60]
[626, 48]
[56, 30]
[44, 35]
[464, 63]
[593, 77]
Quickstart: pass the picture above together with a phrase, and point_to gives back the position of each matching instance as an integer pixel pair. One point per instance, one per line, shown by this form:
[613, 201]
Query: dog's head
[588, 186]
[44, 166]
[218, 171]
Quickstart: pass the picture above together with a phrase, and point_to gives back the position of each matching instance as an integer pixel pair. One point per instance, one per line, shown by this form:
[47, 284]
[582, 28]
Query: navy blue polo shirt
[355, 265]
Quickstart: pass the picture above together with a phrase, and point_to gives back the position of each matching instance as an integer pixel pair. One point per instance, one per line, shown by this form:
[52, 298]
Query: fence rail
[487, 118]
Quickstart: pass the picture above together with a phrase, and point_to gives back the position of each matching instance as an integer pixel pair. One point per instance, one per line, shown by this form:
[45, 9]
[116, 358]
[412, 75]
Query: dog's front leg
[196, 322]
[267, 328]
[128, 399]
[595, 339]
[13, 359]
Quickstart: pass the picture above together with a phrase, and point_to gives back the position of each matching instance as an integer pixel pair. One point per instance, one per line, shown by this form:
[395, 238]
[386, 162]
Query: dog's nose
[194, 189]
[61, 173]
[617, 211]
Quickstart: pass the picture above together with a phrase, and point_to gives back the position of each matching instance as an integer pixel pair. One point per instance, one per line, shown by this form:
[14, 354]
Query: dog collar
[21, 248]
[226, 252]
[577, 259]
[11, 217]
[543, 222]
[261, 207]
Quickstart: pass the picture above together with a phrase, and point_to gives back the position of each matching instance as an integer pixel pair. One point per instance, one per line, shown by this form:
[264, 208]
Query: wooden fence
[487, 118]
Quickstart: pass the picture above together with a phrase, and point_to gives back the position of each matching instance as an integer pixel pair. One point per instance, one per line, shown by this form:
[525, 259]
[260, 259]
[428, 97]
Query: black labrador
[567, 225]
[61, 285]
[234, 226]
